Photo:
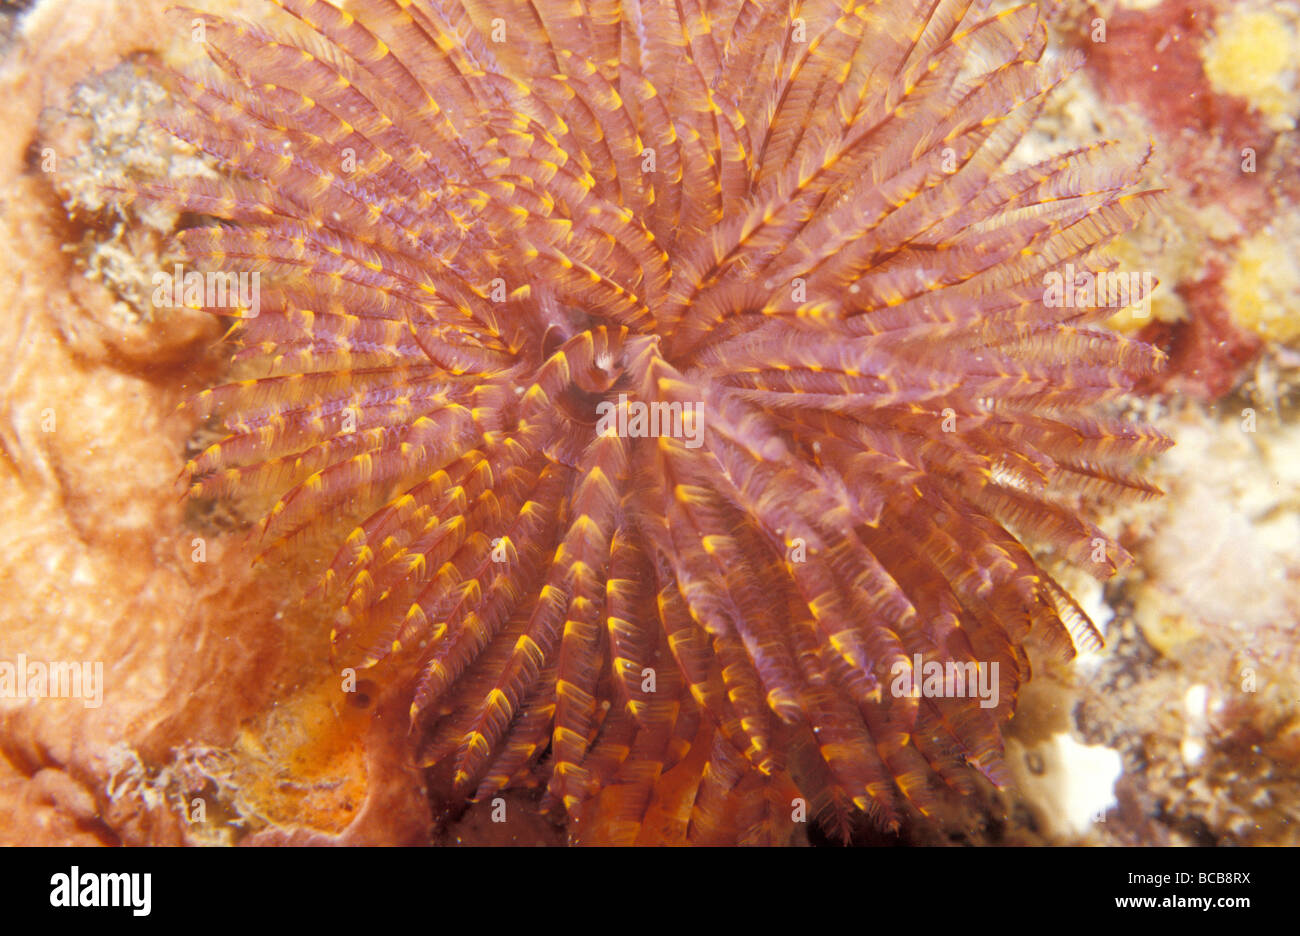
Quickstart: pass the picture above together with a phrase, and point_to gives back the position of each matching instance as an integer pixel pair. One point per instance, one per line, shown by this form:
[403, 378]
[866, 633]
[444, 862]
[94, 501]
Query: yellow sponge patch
[1263, 287]
[1254, 55]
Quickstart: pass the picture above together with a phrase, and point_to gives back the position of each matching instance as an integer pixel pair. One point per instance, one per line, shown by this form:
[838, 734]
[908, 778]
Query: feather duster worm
[700, 352]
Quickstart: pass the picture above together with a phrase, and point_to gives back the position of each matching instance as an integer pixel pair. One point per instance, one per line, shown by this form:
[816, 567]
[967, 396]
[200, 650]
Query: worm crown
[704, 349]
